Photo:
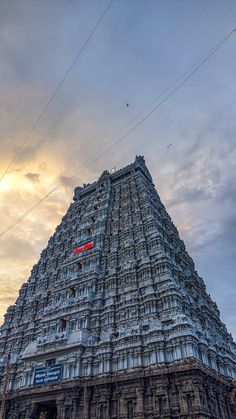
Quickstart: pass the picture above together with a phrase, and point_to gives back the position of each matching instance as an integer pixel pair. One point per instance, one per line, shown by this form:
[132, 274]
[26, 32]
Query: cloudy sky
[140, 48]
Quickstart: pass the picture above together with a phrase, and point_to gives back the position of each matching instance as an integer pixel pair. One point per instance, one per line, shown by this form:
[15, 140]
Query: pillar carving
[87, 400]
[29, 411]
[75, 407]
[139, 406]
[122, 406]
[60, 409]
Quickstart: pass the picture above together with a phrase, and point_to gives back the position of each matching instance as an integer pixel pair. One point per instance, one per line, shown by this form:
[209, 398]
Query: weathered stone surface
[126, 315]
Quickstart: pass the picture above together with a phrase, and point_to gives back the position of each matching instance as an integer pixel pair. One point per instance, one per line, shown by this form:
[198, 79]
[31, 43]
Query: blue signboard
[47, 375]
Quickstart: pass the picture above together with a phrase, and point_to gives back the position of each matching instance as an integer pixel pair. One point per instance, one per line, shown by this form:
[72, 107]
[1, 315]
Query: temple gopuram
[114, 321]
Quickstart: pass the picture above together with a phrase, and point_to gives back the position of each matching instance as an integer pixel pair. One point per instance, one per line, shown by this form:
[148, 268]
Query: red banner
[85, 247]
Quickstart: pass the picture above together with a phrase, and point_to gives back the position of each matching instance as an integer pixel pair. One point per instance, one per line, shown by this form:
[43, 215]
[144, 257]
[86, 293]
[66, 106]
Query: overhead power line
[181, 79]
[53, 95]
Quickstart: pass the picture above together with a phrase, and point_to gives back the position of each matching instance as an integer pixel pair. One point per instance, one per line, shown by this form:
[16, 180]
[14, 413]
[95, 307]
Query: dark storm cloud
[189, 195]
[227, 233]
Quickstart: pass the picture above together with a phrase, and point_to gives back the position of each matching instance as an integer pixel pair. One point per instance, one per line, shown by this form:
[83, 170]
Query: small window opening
[79, 266]
[50, 362]
[89, 231]
[72, 292]
[62, 325]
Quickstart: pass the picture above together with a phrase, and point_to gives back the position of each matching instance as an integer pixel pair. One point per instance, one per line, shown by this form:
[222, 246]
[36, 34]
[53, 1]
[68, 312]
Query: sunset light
[117, 209]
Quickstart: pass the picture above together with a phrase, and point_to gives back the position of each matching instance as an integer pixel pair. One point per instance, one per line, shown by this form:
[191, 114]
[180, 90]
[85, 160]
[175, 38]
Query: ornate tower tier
[114, 321]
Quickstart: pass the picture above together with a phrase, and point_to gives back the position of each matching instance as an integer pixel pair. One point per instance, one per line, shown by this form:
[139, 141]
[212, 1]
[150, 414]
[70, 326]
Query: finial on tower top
[105, 174]
[139, 160]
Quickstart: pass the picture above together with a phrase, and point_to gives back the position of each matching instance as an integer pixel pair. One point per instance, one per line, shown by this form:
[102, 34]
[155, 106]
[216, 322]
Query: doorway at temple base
[46, 410]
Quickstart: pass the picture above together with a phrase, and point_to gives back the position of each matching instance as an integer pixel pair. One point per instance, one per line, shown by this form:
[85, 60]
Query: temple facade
[114, 321]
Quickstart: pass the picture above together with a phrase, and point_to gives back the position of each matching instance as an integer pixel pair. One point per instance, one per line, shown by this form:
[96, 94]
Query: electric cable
[52, 97]
[150, 104]
[114, 144]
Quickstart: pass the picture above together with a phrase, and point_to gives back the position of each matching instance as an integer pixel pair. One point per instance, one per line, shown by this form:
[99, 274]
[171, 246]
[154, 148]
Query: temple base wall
[170, 393]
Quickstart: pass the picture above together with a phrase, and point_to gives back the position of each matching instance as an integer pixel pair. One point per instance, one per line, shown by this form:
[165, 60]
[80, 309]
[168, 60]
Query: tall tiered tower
[114, 321]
